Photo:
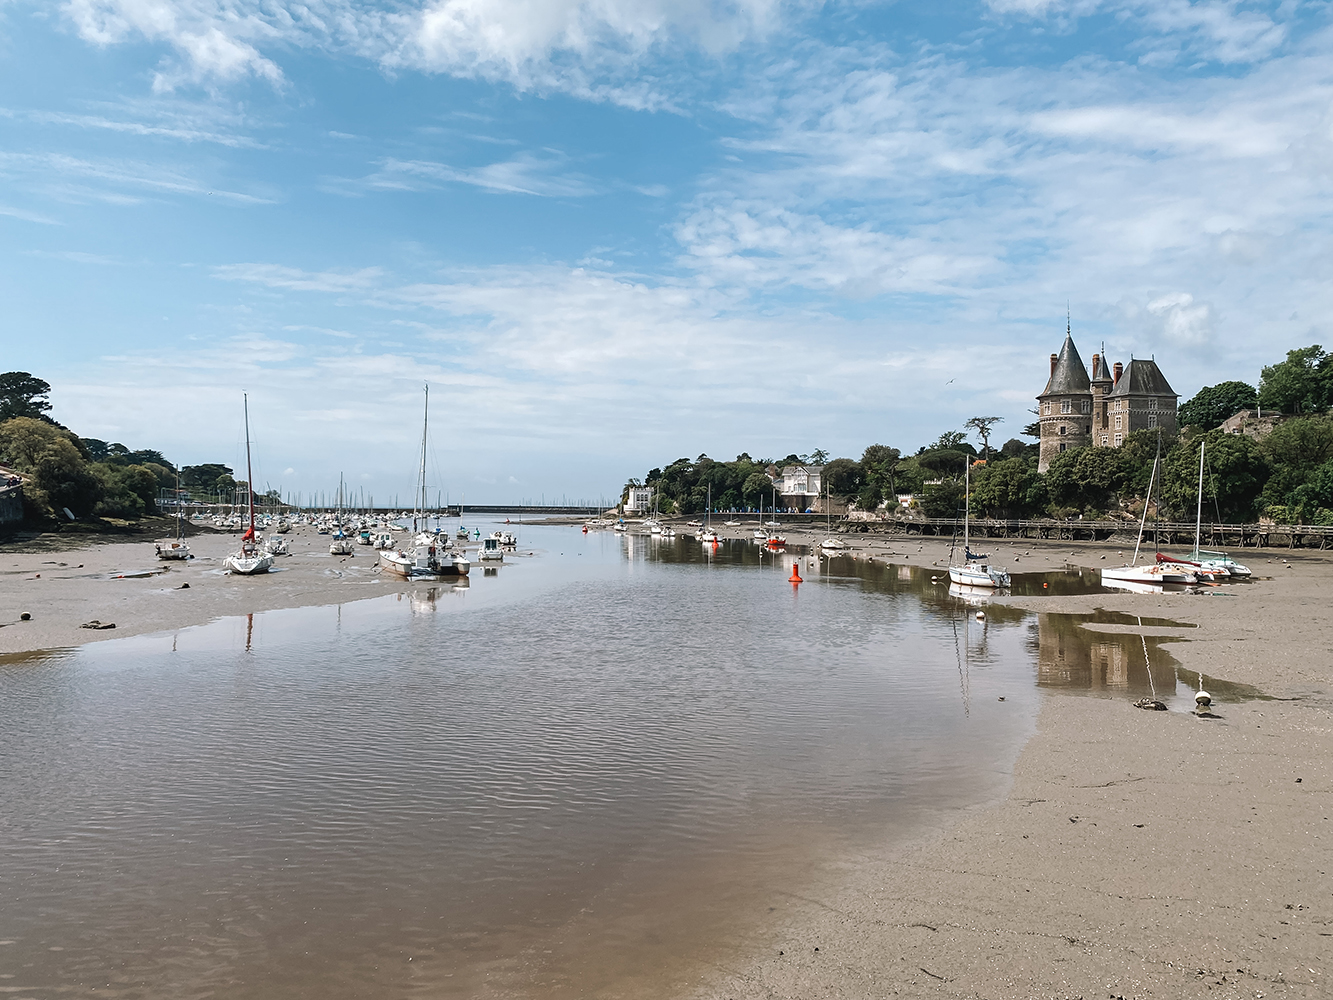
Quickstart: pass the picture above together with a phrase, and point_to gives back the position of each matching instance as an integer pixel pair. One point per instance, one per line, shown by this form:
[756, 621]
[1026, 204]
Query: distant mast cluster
[1075, 410]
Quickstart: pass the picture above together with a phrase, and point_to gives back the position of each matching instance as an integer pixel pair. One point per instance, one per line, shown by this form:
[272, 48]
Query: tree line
[86, 476]
[1286, 475]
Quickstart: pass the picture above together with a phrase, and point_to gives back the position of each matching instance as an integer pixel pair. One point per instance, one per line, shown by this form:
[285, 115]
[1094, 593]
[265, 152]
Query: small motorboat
[491, 550]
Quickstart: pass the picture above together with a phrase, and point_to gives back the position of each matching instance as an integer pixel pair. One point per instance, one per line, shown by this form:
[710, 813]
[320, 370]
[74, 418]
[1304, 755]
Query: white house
[639, 500]
[801, 486]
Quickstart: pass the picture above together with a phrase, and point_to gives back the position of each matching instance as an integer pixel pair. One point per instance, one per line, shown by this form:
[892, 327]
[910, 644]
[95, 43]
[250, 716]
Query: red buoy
[795, 574]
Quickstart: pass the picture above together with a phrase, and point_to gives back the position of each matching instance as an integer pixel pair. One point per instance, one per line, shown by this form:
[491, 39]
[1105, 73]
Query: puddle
[1110, 653]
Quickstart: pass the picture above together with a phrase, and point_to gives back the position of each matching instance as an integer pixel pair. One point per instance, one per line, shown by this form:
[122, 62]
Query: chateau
[1076, 410]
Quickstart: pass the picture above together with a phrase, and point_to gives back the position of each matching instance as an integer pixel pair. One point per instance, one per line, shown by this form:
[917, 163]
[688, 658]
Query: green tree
[1301, 384]
[22, 395]
[1214, 403]
[843, 477]
[1007, 488]
[1087, 479]
[1236, 470]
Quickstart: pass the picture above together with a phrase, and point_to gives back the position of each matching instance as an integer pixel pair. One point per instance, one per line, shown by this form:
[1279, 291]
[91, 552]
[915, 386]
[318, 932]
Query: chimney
[1054, 359]
[1119, 370]
[1096, 366]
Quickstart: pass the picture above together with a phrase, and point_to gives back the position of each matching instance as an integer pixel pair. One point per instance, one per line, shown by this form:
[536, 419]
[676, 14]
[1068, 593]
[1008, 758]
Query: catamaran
[972, 571]
[251, 558]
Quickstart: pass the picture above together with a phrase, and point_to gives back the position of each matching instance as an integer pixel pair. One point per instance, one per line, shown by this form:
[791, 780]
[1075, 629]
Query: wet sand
[124, 583]
[1136, 854]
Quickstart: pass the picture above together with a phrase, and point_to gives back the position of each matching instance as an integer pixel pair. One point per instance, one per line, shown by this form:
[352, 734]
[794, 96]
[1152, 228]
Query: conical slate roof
[1070, 374]
[1142, 378]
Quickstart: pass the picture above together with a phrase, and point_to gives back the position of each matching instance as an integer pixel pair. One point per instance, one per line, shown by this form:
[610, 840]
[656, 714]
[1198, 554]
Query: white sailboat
[830, 544]
[251, 558]
[972, 572]
[430, 556]
[1154, 575]
[341, 544]
[175, 548]
[708, 535]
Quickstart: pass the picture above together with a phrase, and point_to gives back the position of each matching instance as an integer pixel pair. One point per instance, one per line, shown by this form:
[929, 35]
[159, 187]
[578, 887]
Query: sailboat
[251, 558]
[1208, 565]
[175, 548]
[708, 534]
[431, 556]
[972, 572]
[830, 544]
[341, 544]
[1154, 575]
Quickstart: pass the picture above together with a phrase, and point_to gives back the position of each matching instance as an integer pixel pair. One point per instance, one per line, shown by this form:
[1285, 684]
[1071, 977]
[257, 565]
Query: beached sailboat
[830, 544]
[342, 543]
[1153, 574]
[972, 571]
[175, 548]
[252, 557]
[430, 556]
[1216, 566]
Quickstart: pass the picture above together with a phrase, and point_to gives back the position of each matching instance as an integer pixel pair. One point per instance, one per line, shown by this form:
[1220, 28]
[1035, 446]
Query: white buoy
[1203, 699]
[981, 616]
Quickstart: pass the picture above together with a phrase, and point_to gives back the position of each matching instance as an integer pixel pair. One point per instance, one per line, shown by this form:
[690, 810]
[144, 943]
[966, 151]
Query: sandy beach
[1134, 853]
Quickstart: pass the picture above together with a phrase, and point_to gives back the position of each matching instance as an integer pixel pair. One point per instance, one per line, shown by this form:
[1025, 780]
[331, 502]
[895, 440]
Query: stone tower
[1065, 405]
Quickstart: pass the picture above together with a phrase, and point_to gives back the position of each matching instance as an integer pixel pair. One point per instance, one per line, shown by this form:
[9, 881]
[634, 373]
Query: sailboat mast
[425, 427]
[1146, 500]
[1198, 515]
[967, 508]
[249, 472]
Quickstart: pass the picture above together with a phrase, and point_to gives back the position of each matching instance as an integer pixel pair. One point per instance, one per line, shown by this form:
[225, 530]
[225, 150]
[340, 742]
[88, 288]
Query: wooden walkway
[1216, 536]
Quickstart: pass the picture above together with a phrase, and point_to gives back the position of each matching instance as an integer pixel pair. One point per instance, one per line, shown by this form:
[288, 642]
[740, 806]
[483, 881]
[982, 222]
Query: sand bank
[1137, 854]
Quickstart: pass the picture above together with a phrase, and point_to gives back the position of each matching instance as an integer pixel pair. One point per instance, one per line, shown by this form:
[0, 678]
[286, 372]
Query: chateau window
[1118, 419]
[1119, 440]
[1066, 406]
[1152, 420]
[1086, 406]
[1105, 440]
[1152, 403]
[1062, 430]
[1046, 409]
[1062, 446]
[1088, 429]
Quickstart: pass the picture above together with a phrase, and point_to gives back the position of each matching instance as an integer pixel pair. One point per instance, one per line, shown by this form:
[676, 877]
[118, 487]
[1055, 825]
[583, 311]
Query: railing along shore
[1294, 536]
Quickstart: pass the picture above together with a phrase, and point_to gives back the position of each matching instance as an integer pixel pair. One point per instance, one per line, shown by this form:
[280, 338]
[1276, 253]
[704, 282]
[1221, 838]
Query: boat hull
[977, 576]
[248, 565]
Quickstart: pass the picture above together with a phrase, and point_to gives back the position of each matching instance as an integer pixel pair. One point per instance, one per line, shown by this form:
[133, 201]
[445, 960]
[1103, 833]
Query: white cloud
[1183, 321]
[591, 47]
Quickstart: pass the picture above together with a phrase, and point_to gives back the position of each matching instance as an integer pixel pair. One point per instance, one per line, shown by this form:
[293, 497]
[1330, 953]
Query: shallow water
[575, 775]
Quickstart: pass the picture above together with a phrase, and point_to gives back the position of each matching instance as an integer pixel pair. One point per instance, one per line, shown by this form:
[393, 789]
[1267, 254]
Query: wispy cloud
[527, 173]
[117, 181]
[294, 279]
[26, 216]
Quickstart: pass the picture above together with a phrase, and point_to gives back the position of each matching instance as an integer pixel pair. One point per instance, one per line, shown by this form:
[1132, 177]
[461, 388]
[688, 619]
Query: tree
[1007, 488]
[843, 477]
[1087, 478]
[24, 440]
[982, 426]
[948, 441]
[1235, 473]
[1014, 448]
[22, 395]
[818, 457]
[1301, 384]
[1214, 403]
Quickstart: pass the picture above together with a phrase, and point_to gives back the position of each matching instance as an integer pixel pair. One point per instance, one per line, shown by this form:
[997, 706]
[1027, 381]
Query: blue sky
[612, 234]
